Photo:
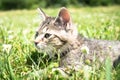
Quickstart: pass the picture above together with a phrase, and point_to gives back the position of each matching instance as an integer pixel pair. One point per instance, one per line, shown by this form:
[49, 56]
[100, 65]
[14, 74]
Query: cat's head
[54, 33]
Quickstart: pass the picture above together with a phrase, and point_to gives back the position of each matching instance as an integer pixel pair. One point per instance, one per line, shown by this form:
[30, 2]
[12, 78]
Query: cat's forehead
[49, 19]
[48, 24]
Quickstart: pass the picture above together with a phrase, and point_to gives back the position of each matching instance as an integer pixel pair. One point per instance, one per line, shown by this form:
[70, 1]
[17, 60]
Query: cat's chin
[48, 52]
[46, 49]
[40, 46]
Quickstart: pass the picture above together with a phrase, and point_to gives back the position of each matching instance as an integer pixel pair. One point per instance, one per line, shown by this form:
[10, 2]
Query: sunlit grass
[20, 60]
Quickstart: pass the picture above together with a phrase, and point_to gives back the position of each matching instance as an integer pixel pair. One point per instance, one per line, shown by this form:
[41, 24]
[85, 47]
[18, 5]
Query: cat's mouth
[50, 50]
[40, 46]
[44, 48]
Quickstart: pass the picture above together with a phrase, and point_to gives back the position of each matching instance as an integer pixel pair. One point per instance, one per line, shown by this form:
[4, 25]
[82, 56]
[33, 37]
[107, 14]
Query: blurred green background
[19, 59]
[30, 4]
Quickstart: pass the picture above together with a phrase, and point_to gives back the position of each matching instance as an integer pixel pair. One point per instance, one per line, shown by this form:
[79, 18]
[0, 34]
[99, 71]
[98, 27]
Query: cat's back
[102, 48]
[101, 45]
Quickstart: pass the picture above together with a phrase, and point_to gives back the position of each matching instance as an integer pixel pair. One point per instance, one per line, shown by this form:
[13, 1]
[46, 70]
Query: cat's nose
[36, 42]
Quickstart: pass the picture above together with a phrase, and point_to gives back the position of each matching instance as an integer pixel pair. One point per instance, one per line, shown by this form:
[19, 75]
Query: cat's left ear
[42, 14]
[63, 16]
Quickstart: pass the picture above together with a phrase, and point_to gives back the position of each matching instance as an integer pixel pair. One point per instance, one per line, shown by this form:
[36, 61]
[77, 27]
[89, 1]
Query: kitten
[60, 36]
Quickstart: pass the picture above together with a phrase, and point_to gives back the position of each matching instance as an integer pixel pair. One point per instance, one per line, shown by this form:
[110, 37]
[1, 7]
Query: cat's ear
[63, 16]
[42, 14]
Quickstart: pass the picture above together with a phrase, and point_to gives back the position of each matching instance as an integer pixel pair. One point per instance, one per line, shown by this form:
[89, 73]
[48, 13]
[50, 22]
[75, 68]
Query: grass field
[19, 59]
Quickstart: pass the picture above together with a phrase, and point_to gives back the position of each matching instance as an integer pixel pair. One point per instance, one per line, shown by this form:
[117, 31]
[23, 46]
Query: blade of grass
[108, 69]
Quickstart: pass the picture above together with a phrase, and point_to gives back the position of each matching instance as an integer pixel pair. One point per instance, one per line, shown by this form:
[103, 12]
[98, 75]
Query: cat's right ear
[42, 14]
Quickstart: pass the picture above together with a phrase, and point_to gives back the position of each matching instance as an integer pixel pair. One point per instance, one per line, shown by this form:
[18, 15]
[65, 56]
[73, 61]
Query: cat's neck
[71, 45]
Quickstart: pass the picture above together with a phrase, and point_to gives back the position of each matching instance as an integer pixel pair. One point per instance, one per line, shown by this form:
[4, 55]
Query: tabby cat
[58, 35]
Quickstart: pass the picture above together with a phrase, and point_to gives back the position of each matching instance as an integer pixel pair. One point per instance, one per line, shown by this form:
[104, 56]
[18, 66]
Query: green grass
[20, 60]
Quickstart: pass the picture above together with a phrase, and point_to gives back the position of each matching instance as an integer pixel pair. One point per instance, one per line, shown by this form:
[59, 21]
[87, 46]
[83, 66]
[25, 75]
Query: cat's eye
[47, 35]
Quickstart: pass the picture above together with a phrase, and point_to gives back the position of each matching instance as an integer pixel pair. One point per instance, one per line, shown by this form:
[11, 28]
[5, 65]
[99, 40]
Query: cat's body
[59, 36]
[92, 50]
